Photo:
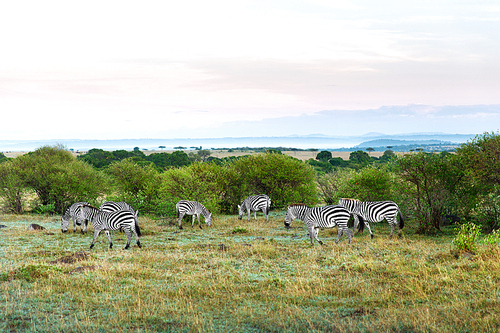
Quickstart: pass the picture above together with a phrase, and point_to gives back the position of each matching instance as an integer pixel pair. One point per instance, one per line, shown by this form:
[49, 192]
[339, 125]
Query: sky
[175, 69]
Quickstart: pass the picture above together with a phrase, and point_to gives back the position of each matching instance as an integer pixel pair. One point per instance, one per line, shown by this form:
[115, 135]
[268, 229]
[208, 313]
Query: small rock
[2, 226]
[35, 226]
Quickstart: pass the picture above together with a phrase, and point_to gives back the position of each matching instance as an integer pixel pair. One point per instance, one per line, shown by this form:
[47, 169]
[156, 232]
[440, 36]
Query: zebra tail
[401, 220]
[137, 228]
[361, 225]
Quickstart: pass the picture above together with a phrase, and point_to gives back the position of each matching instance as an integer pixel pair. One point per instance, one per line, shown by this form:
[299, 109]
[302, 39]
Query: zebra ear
[136, 214]
[239, 206]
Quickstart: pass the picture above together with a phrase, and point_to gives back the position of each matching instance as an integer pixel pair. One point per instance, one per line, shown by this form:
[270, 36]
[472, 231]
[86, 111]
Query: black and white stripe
[112, 206]
[123, 220]
[185, 207]
[374, 211]
[73, 212]
[254, 204]
[316, 218]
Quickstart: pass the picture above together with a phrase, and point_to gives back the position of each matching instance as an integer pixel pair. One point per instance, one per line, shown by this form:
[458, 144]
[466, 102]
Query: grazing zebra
[316, 218]
[375, 211]
[185, 207]
[111, 206]
[253, 204]
[123, 220]
[72, 213]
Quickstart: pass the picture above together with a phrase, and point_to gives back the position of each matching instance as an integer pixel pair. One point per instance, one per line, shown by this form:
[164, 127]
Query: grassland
[242, 276]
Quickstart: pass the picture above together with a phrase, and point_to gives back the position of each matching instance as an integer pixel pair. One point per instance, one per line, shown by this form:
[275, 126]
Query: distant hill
[317, 141]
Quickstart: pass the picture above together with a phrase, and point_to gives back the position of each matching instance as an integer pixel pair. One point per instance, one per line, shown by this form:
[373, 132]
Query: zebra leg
[199, 223]
[129, 238]
[356, 222]
[137, 237]
[316, 230]
[370, 230]
[96, 234]
[181, 215]
[339, 235]
[392, 228]
[255, 214]
[108, 235]
[249, 212]
[349, 234]
[192, 223]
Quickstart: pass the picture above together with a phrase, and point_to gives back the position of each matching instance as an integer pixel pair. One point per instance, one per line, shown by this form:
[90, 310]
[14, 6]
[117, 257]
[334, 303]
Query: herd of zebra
[121, 216]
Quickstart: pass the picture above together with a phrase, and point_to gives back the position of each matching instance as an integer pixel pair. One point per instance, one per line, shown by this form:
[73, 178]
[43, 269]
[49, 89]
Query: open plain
[241, 276]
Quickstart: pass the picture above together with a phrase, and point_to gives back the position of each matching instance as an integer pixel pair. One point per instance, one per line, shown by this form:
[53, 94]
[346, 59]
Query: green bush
[136, 183]
[58, 178]
[213, 185]
[493, 238]
[367, 184]
[12, 188]
[466, 237]
[283, 178]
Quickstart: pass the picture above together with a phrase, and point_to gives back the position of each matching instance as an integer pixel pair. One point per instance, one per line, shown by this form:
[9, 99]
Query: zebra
[185, 207]
[253, 204]
[123, 220]
[72, 213]
[374, 211]
[112, 206]
[316, 218]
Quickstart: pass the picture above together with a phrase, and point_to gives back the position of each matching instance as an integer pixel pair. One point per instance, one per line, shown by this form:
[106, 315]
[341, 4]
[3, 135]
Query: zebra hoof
[371, 236]
[139, 244]
[321, 243]
[127, 247]
[180, 227]
[91, 246]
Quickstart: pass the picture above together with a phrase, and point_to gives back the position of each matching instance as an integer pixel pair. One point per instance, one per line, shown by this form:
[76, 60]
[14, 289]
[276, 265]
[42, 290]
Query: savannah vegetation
[253, 276]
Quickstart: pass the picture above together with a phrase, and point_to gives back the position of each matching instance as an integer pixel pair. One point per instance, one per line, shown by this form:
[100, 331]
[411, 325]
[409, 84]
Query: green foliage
[493, 238]
[481, 156]
[320, 166]
[136, 184]
[48, 209]
[58, 178]
[367, 184]
[12, 188]
[238, 230]
[283, 178]
[31, 273]
[215, 186]
[3, 158]
[324, 156]
[101, 159]
[466, 237]
[434, 183]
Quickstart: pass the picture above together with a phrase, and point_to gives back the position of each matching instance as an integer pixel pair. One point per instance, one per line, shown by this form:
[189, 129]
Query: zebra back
[112, 206]
[254, 203]
[191, 208]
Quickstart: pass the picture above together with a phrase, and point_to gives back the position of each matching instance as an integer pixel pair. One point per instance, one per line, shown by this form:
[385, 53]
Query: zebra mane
[297, 204]
[349, 199]
[87, 205]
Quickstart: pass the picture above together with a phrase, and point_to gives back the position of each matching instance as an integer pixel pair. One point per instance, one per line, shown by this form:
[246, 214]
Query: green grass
[242, 276]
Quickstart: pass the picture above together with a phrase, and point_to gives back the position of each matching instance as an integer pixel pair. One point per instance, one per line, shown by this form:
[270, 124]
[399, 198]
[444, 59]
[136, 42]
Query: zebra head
[208, 220]
[241, 211]
[289, 217]
[65, 222]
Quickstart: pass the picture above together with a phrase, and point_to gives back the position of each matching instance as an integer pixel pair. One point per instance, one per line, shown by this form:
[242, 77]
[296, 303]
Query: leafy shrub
[493, 238]
[58, 178]
[215, 186]
[466, 238]
[367, 184]
[135, 183]
[283, 178]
